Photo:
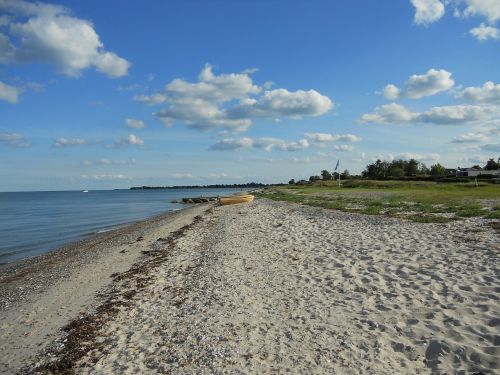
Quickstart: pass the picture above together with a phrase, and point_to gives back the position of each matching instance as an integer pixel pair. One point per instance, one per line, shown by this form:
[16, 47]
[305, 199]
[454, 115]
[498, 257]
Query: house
[476, 172]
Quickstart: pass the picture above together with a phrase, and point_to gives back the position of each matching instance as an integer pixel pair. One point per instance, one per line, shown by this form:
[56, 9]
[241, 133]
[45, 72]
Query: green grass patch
[395, 198]
[429, 219]
[493, 215]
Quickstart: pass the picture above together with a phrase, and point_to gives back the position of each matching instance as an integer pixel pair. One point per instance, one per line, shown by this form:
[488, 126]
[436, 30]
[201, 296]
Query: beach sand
[41, 294]
[273, 287]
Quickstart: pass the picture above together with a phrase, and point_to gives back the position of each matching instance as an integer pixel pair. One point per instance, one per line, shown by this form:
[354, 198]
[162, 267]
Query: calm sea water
[32, 223]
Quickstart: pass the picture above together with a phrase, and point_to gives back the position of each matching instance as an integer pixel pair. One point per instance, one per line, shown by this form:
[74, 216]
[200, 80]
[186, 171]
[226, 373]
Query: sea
[33, 223]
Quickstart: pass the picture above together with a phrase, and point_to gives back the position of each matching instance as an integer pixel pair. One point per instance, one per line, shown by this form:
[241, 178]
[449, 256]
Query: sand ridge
[272, 287]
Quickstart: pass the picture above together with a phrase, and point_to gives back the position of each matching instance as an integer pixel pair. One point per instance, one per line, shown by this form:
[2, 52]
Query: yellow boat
[236, 199]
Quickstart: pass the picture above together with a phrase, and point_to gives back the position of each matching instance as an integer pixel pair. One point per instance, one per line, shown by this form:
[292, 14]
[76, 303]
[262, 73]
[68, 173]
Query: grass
[419, 201]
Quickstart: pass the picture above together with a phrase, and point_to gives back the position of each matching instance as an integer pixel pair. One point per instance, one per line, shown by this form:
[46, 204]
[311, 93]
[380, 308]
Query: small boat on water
[85, 191]
[236, 199]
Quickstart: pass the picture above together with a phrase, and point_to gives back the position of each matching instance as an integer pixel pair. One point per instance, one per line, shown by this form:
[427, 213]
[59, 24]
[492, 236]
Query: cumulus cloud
[489, 9]
[230, 101]
[283, 103]
[484, 32]
[471, 138]
[326, 137]
[418, 86]
[428, 11]
[264, 143]
[488, 93]
[9, 93]
[419, 157]
[447, 115]
[66, 142]
[343, 148]
[50, 34]
[130, 140]
[136, 124]
[14, 140]
[455, 114]
[389, 114]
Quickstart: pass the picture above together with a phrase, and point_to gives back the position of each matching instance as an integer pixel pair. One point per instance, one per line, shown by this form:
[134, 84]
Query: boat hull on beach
[236, 200]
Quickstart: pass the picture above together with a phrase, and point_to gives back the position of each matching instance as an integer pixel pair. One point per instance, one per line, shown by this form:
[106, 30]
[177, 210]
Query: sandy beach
[266, 287]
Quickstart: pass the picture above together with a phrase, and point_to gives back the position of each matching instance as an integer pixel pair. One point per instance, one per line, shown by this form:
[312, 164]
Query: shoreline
[42, 293]
[271, 287]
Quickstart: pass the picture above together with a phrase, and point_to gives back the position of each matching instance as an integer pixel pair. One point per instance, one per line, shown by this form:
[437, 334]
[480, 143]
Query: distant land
[216, 186]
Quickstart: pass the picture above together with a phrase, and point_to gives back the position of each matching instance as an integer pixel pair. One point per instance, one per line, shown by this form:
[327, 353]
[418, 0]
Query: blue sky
[115, 94]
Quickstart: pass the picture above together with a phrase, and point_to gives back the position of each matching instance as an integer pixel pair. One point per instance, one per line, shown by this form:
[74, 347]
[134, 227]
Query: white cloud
[180, 176]
[151, 99]
[428, 11]
[471, 138]
[483, 32]
[305, 160]
[264, 143]
[490, 9]
[14, 140]
[131, 139]
[343, 148]
[455, 114]
[51, 34]
[488, 93]
[9, 93]
[389, 114]
[233, 144]
[65, 142]
[418, 86]
[231, 102]
[103, 176]
[419, 157]
[283, 103]
[326, 137]
[447, 115]
[217, 175]
[136, 124]
[495, 147]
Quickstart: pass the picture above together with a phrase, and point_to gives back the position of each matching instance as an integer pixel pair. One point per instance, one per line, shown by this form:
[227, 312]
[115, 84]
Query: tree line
[398, 168]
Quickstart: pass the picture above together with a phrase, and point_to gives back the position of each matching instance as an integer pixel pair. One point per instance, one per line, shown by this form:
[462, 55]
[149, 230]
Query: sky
[101, 95]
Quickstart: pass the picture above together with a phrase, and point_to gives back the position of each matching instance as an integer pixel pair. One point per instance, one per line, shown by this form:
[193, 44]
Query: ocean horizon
[36, 222]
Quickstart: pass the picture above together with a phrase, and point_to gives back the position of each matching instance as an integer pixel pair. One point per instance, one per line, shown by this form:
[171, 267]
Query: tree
[314, 178]
[423, 170]
[325, 175]
[345, 174]
[291, 182]
[437, 170]
[396, 171]
[411, 168]
[375, 170]
[491, 165]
